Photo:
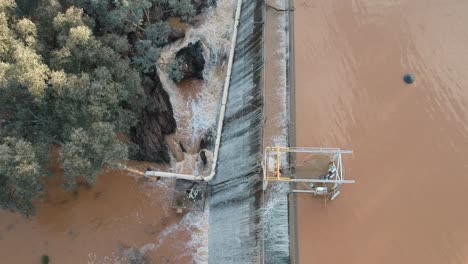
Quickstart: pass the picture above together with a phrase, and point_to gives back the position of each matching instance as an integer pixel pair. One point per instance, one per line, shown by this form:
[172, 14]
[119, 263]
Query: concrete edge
[292, 199]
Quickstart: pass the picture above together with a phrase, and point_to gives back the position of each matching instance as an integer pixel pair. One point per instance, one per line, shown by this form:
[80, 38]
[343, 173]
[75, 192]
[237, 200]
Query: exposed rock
[208, 140]
[176, 34]
[182, 147]
[155, 121]
[203, 157]
[188, 63]
[174, 147]
[199, 5]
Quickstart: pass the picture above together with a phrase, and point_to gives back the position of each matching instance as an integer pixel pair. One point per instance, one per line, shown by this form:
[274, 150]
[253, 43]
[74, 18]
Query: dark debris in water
[408, 78]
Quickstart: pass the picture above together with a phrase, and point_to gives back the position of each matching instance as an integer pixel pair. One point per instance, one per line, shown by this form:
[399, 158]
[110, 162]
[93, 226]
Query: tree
[7, 6]
[158, 33]
[71, 76]
[118, 43]
[26, 31]
[146, 56]
[72, 18]
[20, 175]
[80, 98]
[117, 16]
[88, 151]
[30, 71]
[182, 8]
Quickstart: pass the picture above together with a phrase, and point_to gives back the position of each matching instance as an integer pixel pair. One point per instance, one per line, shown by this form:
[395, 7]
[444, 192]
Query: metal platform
[189, 195]
[318, 171]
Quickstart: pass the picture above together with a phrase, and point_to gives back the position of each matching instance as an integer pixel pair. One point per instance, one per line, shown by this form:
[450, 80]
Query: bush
[158, 33]
[174, 72]
[146, 56]
[45, 259]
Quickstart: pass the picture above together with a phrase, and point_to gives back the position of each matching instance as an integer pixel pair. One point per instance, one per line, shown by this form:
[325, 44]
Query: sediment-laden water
[409, 141]
[116, 220]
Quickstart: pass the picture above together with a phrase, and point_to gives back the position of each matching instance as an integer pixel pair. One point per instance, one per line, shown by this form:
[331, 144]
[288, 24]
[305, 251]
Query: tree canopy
[70, 76]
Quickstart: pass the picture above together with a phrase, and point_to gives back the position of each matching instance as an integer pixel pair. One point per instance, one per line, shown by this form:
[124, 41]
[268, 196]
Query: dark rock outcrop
[176, 34]
[190, 62]
[203, 157]
[182, 148]
[155, 121]
[199, 5]
[208, 140]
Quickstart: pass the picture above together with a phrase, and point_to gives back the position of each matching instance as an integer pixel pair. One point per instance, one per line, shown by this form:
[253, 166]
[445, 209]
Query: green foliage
[29, 70]
[118, 43]
[64, 22]
[182, 8]
[79, 102]
[174, 72]
[70, 78]
[20, 175]
[26, 31]
[117, 15]
[158, 33]
[7, 39]
[45, 259]
[146, 56]
[7, 6]
[87, 151]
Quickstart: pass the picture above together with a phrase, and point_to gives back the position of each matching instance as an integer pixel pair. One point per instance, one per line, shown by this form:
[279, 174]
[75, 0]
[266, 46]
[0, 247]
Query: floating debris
[408, 78]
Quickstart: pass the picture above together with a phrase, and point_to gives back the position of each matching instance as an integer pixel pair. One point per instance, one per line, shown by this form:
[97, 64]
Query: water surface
[408, 205]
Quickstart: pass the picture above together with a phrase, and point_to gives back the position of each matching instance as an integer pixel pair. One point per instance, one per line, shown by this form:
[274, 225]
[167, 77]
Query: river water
[409, 202]
[108, 223]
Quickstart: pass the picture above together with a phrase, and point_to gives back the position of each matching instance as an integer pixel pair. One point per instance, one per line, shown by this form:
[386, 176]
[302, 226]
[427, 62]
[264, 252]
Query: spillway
[235, 234]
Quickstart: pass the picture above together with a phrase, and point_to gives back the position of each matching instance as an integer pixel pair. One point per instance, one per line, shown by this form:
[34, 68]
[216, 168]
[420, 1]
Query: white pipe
[316, 150]
[321, 181]
[173, 175]
[221, 113]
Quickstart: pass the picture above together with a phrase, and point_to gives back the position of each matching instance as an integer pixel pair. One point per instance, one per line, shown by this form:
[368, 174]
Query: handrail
[221, 114]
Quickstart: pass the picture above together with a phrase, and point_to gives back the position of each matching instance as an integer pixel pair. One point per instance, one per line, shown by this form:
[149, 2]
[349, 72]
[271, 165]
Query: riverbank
[349, 61]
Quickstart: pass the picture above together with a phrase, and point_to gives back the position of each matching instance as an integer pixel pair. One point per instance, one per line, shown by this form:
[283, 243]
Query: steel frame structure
[275, 154]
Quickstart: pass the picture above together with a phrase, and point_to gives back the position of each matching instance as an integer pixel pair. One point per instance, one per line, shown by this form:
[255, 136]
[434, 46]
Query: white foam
[196, 223]
[197, 115]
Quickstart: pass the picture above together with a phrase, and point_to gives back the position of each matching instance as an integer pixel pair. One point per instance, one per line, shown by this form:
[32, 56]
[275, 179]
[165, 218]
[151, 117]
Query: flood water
[121, 216]
[409, 201]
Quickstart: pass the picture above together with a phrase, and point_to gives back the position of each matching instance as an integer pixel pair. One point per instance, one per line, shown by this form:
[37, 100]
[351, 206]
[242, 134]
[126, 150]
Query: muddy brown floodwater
[99, 224]
[410, 141]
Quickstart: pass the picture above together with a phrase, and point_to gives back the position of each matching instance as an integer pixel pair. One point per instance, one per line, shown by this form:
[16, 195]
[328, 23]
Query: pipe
[221, 113]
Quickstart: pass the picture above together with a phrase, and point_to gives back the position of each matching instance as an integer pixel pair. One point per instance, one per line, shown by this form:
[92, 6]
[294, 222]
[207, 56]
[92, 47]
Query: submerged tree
[20, 175]
[87, 151]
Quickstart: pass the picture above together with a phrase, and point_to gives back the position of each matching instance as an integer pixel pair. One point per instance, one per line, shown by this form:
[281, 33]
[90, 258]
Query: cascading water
[234, 221]
[240, 231]
[197, 113]
[275, 222]
[275, 215]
